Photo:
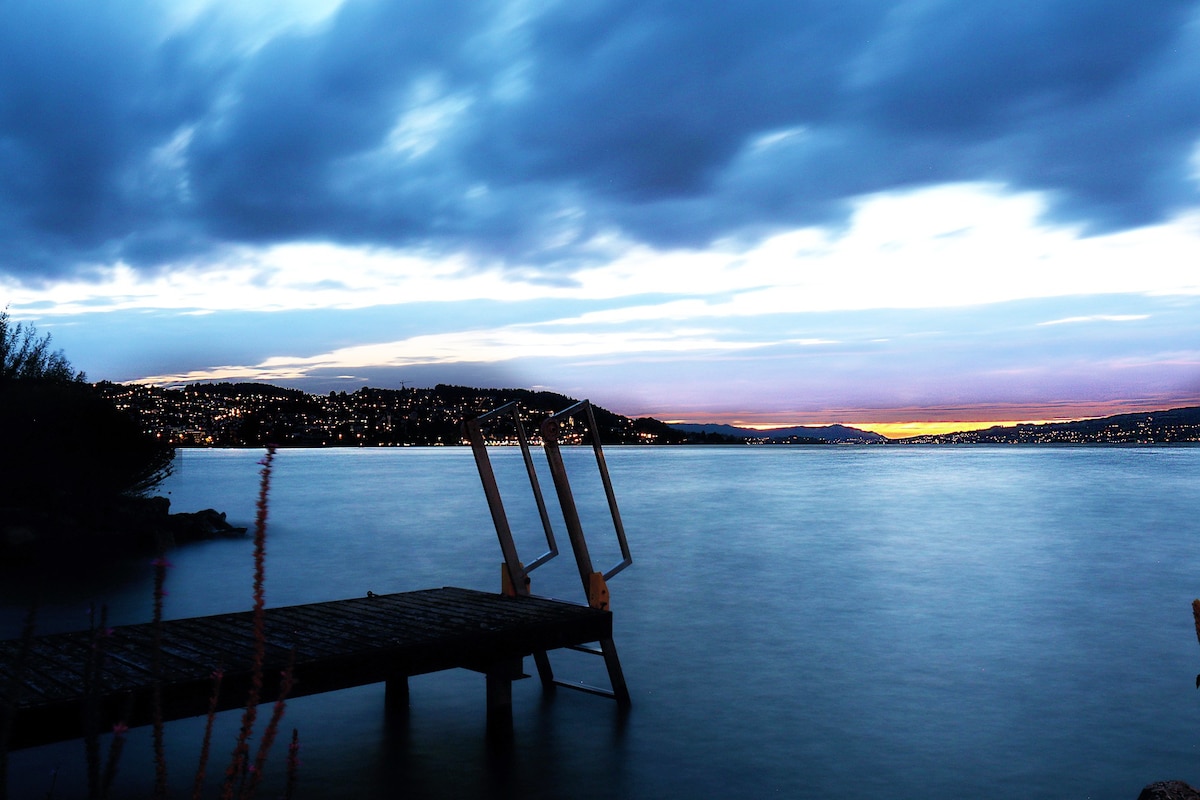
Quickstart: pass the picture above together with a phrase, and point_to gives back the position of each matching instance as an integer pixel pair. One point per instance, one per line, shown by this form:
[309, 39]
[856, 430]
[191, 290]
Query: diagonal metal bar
[518, 572]
[558, 470]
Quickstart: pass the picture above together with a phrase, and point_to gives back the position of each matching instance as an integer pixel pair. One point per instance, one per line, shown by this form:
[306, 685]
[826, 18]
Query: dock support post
[545, 671]
[500, 678]
[395, 696]
[499, 704]
[616, 676]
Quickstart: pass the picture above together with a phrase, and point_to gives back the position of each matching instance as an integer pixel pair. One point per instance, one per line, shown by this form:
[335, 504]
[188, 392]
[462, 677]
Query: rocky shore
[1169, 790]
[122, 526]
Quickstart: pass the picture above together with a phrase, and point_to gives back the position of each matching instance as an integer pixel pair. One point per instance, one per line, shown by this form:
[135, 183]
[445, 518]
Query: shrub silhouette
[26, 356]
[65, 446]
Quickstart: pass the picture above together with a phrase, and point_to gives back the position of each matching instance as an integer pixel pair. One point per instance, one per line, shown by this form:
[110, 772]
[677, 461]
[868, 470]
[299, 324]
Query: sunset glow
[903, 430]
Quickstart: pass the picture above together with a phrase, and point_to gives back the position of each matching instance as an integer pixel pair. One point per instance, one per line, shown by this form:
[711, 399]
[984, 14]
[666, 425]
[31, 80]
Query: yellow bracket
[506, 584]
[598, 591]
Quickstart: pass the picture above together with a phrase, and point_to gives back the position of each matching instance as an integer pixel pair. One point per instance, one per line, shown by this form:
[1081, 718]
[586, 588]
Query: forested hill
[800, 434]
[255, 414]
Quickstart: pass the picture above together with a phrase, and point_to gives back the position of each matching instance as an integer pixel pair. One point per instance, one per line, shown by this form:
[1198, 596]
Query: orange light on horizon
[904, 430]
[902, 423]
[897, 430]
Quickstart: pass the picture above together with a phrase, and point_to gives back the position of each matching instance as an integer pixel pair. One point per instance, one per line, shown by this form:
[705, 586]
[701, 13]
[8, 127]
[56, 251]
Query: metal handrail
[517, 571]
[549, 430]
[594, 585]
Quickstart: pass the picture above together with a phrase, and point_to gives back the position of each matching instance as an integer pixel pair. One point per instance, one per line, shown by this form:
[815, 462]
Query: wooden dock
[333, 645]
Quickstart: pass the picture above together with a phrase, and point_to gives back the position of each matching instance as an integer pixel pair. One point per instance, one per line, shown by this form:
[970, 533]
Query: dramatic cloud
[529, 133]
[763, 210]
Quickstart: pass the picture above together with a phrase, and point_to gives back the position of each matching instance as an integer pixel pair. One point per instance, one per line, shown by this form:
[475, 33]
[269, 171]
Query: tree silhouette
[64, 446]
[26, 356]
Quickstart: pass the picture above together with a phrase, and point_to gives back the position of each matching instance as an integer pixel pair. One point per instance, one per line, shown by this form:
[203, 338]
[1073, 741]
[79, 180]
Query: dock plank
[335, 645]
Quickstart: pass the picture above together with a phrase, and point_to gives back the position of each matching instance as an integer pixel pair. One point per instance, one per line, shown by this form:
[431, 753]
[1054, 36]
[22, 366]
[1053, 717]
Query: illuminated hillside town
[254, 414]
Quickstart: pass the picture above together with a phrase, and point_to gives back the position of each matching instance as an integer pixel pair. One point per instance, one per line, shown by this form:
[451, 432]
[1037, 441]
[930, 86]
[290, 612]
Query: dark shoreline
[128, 525]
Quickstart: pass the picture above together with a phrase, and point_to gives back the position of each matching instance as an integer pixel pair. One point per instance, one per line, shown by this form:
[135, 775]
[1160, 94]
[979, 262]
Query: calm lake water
[803, 622]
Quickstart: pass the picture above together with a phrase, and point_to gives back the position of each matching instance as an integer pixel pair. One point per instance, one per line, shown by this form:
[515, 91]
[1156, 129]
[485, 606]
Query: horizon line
[892, 422]
[978, 415]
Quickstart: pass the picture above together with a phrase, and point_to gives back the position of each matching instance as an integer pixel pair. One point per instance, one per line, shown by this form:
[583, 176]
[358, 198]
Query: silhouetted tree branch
[26, 356]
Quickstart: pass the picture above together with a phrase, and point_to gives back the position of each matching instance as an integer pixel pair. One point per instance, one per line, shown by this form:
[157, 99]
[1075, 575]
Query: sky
[897, 215]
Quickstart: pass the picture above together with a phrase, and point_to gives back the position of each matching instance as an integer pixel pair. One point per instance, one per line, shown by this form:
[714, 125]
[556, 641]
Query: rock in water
[1169, 790]
[206, 524]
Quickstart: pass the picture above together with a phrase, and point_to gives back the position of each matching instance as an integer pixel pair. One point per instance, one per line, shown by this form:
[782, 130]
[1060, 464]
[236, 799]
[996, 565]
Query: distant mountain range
[1156, 427]
[1173, 425]
[813, 434]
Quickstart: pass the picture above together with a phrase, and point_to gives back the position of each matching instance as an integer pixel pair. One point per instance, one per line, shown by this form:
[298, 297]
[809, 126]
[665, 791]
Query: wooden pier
[64, 686]
[333, 645]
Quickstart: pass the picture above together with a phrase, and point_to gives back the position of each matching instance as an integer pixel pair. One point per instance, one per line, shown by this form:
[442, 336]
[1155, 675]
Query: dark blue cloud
[307, 109]
[673, 122]
[1096, 101]
[642, 100]
[84, 99]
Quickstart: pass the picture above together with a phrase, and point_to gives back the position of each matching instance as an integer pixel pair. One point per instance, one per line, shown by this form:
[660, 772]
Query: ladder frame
[517, 574]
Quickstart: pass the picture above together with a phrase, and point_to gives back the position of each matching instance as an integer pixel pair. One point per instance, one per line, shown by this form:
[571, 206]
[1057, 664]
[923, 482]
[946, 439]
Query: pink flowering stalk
[1196, 616]
[269, 733]
[114, 757]
[293, 765]
[206, 744]
[92, 671]
[8, 708]
[161, 565]
[239, 761]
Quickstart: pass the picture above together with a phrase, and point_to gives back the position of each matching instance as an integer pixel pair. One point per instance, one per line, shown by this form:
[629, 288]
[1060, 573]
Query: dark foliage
[26, 356]
[65, 445]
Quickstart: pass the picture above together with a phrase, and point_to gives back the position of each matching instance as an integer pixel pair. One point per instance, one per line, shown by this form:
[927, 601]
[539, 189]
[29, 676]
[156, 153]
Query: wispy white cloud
[1096, 318]
[252, 24]
[934, 248]
[798, 311]
[502, 344]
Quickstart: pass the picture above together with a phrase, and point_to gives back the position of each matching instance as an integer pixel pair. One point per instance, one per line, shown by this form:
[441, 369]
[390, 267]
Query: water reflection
[796, 621]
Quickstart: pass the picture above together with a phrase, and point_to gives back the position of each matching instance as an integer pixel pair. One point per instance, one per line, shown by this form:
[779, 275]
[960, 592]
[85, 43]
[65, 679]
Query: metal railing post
[566, 501]
[594, 586]
[517, 575]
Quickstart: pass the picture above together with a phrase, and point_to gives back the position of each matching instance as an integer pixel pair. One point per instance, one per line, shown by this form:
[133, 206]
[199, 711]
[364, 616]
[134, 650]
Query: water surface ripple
[801, 622]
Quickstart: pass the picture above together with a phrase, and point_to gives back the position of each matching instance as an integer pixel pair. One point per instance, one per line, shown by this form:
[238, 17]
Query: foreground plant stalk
[239, 760]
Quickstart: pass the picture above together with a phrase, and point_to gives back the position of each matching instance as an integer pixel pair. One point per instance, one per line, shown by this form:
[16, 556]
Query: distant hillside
[252, 414]
[1174, 425]
[800, 434]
